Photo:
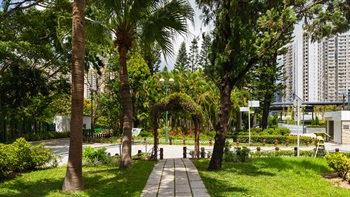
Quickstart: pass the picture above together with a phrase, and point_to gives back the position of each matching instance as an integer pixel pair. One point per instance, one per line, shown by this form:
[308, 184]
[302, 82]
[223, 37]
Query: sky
[195, 30]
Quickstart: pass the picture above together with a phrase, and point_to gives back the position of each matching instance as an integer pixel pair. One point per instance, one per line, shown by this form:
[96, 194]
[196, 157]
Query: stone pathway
[174, 177]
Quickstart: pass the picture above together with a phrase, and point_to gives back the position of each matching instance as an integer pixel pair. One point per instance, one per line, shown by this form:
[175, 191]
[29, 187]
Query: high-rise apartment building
[325, 67]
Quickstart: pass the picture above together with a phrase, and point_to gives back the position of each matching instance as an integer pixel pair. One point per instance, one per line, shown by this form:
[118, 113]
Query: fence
[14, 128]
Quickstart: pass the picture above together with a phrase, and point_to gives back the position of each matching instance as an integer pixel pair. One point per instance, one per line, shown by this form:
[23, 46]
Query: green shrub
[145, 133]
[242, 154]
[21, 155]
[211, 134]
[98, 156]
[339, 163]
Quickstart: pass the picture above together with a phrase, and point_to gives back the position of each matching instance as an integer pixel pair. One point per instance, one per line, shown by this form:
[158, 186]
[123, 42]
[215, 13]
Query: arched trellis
[177, 102]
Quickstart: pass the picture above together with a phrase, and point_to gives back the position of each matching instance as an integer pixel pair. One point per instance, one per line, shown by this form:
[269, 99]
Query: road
[61, 147]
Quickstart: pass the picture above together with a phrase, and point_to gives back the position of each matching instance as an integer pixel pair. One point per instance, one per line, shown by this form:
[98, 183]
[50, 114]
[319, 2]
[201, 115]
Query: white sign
[297, 102]
[136, 131]
[244, 109]
[253, 103]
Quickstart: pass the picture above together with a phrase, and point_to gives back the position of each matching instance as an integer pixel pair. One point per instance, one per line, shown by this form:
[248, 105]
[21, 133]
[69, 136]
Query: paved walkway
[174, 177]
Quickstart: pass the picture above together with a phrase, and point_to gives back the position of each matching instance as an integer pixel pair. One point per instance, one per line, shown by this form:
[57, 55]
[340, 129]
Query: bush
[145, 133]
[98, 156]
[339, 163]
[21, 156]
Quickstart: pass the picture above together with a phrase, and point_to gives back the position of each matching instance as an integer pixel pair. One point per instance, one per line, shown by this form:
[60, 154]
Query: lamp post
[167, 85]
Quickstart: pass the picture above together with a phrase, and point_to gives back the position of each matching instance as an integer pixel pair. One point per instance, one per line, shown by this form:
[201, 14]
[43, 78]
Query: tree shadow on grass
[98, 181]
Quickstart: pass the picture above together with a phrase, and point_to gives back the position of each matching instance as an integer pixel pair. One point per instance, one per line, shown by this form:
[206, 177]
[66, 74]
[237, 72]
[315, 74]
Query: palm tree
[74, 179]
[150, 21]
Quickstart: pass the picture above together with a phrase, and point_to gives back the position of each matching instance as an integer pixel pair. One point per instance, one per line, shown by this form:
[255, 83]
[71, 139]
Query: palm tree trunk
[74, 179]
[126, 108]
[221, 128]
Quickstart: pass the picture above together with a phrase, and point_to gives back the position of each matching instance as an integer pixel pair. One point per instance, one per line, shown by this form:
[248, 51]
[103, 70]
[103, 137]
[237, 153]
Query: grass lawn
[98, 181]
[270, 177]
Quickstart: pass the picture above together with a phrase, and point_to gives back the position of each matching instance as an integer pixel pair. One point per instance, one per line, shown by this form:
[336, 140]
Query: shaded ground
[336, 180]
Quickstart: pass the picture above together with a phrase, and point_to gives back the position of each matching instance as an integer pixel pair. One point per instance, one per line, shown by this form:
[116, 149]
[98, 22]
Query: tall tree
[205, 50]
[194, 55]
[181, 63]
[267, 82]
[154, 21]
[73, 180]
[241, 39]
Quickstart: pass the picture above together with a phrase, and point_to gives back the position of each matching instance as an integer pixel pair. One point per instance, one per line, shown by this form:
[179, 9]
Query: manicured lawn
[270, 177]
[98, 181]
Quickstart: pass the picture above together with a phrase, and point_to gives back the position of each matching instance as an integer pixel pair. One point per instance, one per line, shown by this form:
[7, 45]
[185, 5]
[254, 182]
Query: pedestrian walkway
[174, 177]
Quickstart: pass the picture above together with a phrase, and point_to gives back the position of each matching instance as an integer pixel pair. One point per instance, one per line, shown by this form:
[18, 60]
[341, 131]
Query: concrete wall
[337, 132]
[63, 123]
[346, 132]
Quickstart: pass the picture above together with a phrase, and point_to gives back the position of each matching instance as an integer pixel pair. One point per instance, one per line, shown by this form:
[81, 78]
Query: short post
[251, 143]
[237, 142]
[161, 153]
[101, 139]
[287, 143]
[264, 142]
[210, 142]
[295, 151]
[307, 142]
[337, 150]
[275, 143]
[121, 140]
[258, 149]
[145, 141]
[139, 152]
[171, 141]
[184, 141]
[277, 148]
[111, 140]
[184, 152]
[202, 152]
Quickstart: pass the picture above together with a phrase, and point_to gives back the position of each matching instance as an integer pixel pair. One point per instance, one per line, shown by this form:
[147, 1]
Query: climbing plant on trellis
[177, 102]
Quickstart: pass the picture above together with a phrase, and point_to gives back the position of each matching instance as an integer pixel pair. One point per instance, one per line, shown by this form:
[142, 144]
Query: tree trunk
[74, 179]
[196, 137]
[255, 118]
[266, 110]
[126, 109]
[221, 128]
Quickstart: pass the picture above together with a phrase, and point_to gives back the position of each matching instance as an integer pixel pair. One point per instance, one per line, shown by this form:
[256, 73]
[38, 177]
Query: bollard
[287, 143]
[184, 142]
[111, 140]
[121, 140]
[277, 148]
[237, 142]
[258, 149]
[307, 142]
[170, 141]
[251, 143]
[139, 152]
[184, 152]
[264, 142]
[276, 143]
[145, 141]
[101, 139]
[210, 142]
[161, 153]
[202, 152]
[295, 151]
[337, 150]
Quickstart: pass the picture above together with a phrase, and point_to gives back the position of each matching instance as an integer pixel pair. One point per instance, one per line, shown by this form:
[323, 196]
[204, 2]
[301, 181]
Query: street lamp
[167, 85]
[344, 93]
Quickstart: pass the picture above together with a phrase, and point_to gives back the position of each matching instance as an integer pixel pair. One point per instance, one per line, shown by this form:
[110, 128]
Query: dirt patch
[336, 180]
